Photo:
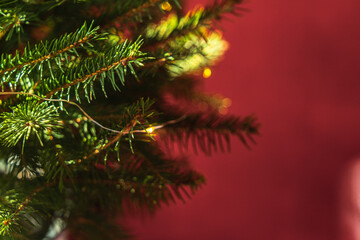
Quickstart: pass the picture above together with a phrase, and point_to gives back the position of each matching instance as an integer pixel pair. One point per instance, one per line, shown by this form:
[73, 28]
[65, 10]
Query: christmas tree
[94, 96]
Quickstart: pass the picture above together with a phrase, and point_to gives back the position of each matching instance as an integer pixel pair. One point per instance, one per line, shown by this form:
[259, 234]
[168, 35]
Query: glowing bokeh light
[207, 73]
[149, 130]
[226, 102]
[166, 6]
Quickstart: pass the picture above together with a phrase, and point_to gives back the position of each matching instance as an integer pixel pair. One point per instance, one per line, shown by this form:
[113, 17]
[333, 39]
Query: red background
[295, 64]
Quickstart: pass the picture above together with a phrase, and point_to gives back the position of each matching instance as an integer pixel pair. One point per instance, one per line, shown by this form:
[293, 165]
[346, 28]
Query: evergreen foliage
[92, 94]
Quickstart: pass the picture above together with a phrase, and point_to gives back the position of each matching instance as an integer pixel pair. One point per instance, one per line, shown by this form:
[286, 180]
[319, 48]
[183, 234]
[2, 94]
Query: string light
[226, 102]
[207, 72]
[166, 6]
[150, 130]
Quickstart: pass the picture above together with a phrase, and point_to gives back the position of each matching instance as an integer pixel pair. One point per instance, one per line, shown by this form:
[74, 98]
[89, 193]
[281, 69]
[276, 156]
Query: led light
[166, 6]
[226, 102]
[149, 130]
[207, 73]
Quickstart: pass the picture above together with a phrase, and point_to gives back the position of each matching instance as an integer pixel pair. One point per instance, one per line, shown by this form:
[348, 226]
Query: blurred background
[295, 64]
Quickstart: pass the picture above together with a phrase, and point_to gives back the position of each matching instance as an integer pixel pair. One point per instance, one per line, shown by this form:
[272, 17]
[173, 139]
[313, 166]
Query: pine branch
[125, 183]
[207, 52]
[207, 131]
[148, 176]
[10, 21]
[111, 141]
[170, 173]
[21, 211]
[117, 59]
[61, 101]
[175, 27]
[138, 10]
[138, 115]
[6, 24]
[24, 204]
[26, 119]
[185, 91]
[35, 58]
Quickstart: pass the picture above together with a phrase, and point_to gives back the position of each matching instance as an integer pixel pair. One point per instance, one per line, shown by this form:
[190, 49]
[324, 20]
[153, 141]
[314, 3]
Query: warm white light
[166, 6]
[207, 73]
[149, 130]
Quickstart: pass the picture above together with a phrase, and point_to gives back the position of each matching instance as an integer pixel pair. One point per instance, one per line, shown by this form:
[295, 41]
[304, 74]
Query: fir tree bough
[93, 96]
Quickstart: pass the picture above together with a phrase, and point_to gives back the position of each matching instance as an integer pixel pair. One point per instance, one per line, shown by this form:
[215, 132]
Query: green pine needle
[25, 120]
